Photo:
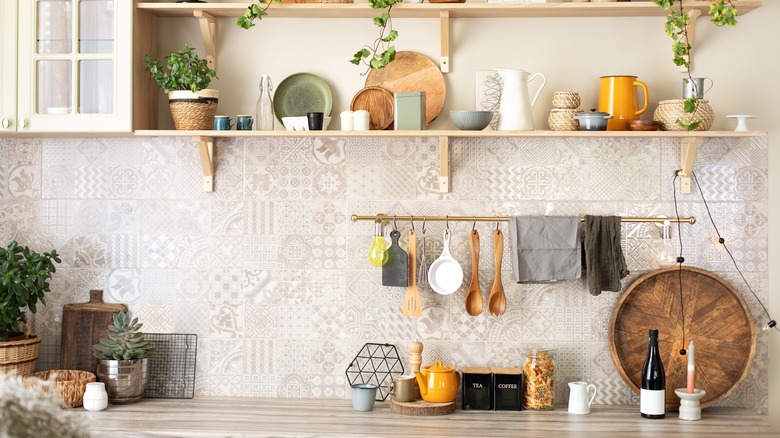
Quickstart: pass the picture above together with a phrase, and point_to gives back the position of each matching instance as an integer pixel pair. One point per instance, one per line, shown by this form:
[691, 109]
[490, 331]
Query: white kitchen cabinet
[69, 68]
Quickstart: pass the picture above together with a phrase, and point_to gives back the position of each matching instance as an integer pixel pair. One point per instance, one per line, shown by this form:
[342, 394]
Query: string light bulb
[377, 254]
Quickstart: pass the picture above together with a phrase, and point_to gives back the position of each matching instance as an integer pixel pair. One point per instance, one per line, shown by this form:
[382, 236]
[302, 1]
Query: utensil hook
[395, 225]
[423, 227]
[447, 223]
[498, 223]
[411, 221]
[474, 224]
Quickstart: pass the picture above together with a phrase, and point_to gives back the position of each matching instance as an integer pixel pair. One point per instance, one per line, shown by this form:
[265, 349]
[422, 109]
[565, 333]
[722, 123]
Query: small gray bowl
[471, 120]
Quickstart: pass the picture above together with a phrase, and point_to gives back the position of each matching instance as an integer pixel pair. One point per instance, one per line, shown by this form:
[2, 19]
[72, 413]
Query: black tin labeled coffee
[507, 389]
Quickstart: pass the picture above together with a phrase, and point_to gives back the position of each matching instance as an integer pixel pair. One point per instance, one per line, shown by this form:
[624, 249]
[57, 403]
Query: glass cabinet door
[78, 65]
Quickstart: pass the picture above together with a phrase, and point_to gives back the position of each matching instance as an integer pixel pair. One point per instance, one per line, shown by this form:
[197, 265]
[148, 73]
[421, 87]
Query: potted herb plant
[723, 13]
[123, 359]
[24, 280]
[185, 77]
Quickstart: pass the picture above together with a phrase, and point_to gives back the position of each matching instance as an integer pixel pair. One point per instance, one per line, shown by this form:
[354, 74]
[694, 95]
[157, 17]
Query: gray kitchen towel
[545, 248]
[605, 265]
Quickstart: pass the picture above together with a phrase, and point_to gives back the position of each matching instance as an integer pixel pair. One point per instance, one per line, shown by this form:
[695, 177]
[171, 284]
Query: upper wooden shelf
[449, 133]
[429, 10]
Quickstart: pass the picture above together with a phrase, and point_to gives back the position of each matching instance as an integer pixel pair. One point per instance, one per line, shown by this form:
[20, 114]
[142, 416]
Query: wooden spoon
[412, 304]
[474, 294]
[497, 298]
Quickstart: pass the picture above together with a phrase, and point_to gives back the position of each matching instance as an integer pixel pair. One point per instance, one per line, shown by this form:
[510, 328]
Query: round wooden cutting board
[716, 319]
[421, 408]
[379, 104]
[412, 71]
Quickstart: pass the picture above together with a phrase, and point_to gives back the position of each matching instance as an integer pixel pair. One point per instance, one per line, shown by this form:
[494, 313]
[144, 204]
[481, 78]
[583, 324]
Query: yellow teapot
[438, 383]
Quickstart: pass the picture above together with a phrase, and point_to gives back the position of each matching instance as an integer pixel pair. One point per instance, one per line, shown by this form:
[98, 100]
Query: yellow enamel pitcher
[618, 97]
[438, 383]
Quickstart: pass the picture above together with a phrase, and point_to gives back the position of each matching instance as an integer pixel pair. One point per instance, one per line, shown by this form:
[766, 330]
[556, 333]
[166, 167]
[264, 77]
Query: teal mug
[223, 123]
[244, 122]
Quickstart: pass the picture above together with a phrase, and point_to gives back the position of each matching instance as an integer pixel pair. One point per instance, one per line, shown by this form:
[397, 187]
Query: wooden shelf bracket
[206, 150]
[687, 157]
[444, 25]
[444, 164]
[208, 28]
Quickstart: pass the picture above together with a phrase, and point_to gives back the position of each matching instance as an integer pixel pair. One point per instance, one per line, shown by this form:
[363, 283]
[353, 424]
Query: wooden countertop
[266, 417]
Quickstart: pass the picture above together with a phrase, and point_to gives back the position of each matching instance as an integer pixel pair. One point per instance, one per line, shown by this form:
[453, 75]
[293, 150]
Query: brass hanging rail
[385, 217]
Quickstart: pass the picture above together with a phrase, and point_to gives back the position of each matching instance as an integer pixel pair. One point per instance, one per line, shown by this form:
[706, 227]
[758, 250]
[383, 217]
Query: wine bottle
[652, 397]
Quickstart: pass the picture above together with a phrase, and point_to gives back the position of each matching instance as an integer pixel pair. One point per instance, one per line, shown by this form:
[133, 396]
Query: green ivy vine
[376, 55]
[723, 13]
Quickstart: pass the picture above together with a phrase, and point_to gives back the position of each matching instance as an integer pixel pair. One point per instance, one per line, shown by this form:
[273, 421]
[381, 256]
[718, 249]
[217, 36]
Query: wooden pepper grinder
[415, 361]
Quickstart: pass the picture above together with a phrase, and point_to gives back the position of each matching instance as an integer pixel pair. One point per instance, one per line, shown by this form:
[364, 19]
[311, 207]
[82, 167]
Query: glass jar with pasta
[539, 379]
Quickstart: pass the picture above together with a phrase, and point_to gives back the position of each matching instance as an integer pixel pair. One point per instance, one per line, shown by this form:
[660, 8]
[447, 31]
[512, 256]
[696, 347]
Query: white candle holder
[690, 406]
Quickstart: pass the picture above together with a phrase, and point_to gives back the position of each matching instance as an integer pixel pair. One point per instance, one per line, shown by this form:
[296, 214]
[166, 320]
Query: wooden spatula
[412, 302]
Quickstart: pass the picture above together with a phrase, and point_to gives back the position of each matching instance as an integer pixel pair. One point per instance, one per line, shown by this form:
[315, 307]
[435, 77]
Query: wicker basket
[566, 99]
[669, 111]
[193, 111]
[19, 356]
[563, 119]
[70, 384]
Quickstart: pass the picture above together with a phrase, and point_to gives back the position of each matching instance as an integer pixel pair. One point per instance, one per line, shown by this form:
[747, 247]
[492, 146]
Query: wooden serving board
[716, 319]
[379, 104]
[83, 324]
[412, 71]
[422, 408]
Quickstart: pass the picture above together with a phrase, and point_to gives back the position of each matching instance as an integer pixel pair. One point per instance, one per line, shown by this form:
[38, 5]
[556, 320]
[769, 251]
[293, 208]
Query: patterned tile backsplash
[272, 275]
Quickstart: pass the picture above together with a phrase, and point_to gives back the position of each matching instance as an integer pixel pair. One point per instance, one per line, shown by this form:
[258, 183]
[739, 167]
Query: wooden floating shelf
[428, 10]
[689, 142]
[207, 13]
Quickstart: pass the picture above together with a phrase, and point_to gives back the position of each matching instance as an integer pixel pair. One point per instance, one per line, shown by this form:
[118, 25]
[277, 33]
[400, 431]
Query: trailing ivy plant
[723, 13]
[376, 55]
[381, 52]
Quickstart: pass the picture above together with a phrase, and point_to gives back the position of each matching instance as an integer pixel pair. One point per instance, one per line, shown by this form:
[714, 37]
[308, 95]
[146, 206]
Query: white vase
[95, 397]
[515, 108]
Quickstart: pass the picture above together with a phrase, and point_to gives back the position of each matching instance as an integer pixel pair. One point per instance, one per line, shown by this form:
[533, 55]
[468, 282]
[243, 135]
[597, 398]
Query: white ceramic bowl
[301, 123]
[471, 120]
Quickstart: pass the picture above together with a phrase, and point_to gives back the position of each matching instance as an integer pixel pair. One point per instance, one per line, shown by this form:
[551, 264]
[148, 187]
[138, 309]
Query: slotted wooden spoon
[412, 302]
[497, 298]
[474, 294]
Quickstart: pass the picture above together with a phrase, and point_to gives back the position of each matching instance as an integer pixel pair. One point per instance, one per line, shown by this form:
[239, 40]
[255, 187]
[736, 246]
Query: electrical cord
[680, 260]
[772, 324]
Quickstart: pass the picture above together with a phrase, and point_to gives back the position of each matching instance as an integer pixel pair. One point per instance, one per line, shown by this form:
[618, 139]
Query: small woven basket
[19, 356]
[669, 111]
[70, 384]
[566, 100]
[563, 119]
[194, 113]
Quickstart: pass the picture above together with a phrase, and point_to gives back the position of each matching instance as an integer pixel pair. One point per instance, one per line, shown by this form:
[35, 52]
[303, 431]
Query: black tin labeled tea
[477, 389]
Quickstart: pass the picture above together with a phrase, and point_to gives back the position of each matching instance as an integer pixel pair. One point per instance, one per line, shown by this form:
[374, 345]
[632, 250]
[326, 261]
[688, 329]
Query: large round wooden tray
[716, 319]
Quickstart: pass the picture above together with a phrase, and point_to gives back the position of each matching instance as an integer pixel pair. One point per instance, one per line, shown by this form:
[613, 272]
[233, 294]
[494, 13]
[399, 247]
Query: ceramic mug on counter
[403, 388]
[363, 396]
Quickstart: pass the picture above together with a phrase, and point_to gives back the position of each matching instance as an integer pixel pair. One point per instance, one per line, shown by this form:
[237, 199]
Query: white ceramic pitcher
[515, 107]
[579, 403]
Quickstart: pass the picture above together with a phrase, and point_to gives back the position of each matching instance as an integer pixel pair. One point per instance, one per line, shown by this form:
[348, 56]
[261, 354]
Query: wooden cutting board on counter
[716, 319]
[412, 71]
[83, 324]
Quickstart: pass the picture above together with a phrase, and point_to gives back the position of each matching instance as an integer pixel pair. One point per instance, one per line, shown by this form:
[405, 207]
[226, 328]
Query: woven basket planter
[69, 384]
[669, 111]
[19, 356]
[193, 111]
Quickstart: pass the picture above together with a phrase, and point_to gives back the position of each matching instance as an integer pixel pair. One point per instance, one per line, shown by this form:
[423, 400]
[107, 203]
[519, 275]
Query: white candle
[361, 122]
[691, 369]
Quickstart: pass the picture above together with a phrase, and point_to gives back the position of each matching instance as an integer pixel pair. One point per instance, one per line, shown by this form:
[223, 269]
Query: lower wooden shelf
[689, 143]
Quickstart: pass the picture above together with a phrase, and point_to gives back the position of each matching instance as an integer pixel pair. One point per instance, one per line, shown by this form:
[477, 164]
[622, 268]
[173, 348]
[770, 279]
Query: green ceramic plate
[301, 93]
